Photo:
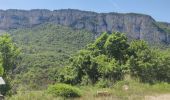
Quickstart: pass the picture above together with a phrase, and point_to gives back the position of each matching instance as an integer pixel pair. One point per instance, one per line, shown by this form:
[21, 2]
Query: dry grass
[134, 91]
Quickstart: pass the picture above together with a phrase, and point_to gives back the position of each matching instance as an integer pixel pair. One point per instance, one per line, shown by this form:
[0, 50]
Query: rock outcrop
[137, 26]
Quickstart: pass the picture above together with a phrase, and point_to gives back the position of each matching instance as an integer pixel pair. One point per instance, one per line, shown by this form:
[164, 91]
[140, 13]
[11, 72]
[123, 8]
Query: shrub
[104, 83]
[64, 90]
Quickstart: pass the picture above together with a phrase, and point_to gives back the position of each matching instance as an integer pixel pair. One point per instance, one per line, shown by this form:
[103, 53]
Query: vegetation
[45, 49]
[111, 57]
[136, 91]
[123, 69]
[8, 59]
[1, 70]
[164, 27]
[32, 95]
[64, 90]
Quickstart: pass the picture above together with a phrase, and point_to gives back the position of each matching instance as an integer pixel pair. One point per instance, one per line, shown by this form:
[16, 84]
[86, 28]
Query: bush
[64, 90]
[104, 83]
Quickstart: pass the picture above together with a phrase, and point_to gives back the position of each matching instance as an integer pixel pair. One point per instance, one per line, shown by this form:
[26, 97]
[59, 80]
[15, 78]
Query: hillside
[109, 68]
[48, 39]
[164, 26]
[137, 26]
[45, 49]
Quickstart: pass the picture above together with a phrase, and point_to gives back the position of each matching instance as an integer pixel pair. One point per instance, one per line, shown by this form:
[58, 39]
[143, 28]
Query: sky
[158, 9]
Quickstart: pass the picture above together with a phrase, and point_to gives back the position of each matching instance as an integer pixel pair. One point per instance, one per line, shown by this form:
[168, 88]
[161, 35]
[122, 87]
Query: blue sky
[158, 9]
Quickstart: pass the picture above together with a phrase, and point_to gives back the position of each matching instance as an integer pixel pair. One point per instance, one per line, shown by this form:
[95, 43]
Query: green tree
[9, 53]
[100, 41]
[137, 46]
[143, 61]
[116, 46]
[101, 59]
[80, 66]
[110, 57]
[163, 66]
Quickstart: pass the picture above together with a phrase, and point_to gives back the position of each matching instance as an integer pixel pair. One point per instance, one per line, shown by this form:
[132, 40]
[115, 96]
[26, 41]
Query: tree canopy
[111, 57]
[8, 60]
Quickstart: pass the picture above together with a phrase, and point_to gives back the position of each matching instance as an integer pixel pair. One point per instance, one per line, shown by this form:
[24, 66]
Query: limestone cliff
[137, 26]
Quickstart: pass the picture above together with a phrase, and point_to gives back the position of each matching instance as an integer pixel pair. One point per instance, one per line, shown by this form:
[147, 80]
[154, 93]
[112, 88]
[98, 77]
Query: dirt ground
[158, 97]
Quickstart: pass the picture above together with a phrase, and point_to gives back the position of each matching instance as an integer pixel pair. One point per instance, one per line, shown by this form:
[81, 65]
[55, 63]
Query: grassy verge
[134, 91]
[31, 95]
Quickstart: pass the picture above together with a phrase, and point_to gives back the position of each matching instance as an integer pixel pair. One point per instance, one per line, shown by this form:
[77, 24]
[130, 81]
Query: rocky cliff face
[137, 26]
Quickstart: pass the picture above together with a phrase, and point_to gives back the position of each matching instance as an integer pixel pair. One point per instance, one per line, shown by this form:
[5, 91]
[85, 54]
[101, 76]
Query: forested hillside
[45, 49]
[118, 68]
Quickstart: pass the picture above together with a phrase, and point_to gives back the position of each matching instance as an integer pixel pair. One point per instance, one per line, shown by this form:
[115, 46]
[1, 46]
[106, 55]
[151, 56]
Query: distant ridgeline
[137, 26]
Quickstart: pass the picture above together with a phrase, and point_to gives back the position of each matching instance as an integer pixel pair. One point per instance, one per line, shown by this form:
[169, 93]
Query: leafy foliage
[45, 49]
[9, 54]
[64, 90]
[148, 64]
[110, 57]
[116, 46]
[1, 70]
[99, 60]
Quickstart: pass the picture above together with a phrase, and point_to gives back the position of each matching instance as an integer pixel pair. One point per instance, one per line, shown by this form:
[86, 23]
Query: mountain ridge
[137, 26]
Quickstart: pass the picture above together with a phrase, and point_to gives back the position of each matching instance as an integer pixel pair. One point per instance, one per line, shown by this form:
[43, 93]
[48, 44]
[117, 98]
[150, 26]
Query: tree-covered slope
[45, 48]
[165, 26]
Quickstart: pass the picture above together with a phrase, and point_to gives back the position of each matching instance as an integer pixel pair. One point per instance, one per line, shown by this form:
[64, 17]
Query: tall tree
[116, 46]
[9, 53]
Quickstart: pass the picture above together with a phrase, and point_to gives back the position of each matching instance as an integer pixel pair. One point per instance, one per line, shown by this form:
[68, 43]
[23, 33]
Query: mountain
[137, 26]
[48, 38]
[165, 26]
